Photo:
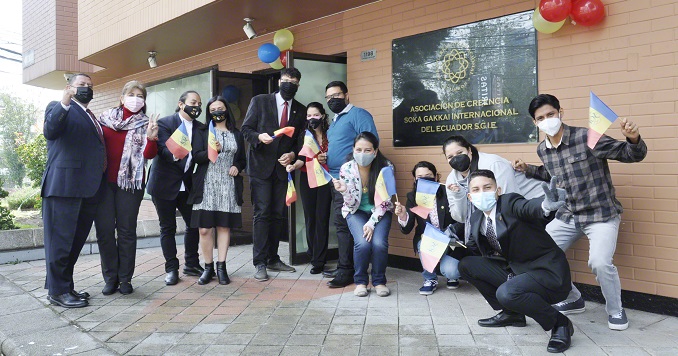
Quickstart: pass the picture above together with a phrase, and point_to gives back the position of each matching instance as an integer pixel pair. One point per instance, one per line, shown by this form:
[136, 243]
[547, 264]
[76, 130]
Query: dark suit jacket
[525, 244]
[262, 117]
[75, 153]
[444, 216]
[201, 158]
[166, 174]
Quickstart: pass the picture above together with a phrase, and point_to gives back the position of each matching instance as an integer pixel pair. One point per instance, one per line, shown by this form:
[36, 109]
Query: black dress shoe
[67, 300]
[172, 278]
[80, 295]
[561, 337]
[110, 288]
[193, 270]
[208, 274]
[342, 280]
[504, 318]
[126, 288]
[331, 273]
[222, 275]
[317, 269]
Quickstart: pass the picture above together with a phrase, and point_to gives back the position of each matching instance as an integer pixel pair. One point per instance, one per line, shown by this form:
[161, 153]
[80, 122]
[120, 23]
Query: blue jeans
[375, 251]
[448, 267]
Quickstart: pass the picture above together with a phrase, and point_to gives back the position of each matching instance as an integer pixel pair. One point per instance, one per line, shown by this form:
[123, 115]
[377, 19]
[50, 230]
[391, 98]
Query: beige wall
[630, 60]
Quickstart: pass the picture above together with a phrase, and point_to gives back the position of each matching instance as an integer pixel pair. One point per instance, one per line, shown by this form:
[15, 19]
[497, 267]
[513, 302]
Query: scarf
[131, 172]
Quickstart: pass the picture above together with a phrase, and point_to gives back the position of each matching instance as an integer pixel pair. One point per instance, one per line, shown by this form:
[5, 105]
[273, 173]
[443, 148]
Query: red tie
[283, 119]
[100, 132]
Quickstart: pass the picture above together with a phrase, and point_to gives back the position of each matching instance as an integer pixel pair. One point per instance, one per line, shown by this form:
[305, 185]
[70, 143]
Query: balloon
[544, 26]
[555, 10]
[283, 39]
[283, 58]
[277, 64]
[231, 93]
[268, 53]
[587, 12]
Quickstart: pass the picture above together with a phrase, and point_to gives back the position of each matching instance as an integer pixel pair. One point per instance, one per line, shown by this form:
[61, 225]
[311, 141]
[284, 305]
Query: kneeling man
[520, 270]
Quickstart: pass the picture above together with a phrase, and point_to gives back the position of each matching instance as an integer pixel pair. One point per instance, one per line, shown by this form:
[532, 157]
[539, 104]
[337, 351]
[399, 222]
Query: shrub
[3, 192]
[6, 219]
[25, 198]
[33, 155]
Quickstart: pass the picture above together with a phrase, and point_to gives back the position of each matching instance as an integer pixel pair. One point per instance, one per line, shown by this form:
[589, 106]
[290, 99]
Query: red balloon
[588, 12]
[283, 58]
[555, 10]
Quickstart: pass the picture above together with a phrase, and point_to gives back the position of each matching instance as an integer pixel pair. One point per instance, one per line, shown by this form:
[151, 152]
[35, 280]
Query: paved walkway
[291, 314]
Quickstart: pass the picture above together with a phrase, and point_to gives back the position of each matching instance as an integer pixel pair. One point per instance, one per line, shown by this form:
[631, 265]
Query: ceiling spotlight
[249, 30]
[151, 59]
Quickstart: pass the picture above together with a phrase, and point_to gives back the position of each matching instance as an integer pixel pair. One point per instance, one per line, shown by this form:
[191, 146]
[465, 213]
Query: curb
[8, 347]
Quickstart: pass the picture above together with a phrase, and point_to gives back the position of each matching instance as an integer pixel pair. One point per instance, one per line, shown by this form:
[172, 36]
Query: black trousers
[268, 200]
[67, 222]
[344, 237]
[167, 215]
[521, 294]
[317, 203]
[117, 212]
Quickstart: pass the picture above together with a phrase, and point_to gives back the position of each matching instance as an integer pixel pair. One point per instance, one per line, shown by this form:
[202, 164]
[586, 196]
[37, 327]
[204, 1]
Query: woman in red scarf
[130, 138]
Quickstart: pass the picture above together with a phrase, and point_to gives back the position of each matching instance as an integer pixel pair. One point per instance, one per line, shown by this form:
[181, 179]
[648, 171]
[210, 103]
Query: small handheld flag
[291, 195]
[287, 131]
[600, 119]
[425, 197]
[433, 245]
[385, 186]
[178, 143]
[310, 147]
[317, 175]
[212, 153]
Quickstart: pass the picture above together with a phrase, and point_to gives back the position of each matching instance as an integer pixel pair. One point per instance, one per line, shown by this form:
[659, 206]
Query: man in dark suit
[169, 185]
[266, 162]
[521, 271]
[74, 174]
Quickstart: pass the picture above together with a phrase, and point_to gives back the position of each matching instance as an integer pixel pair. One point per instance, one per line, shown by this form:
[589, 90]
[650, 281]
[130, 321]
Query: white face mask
[133, 103]
[550, 126]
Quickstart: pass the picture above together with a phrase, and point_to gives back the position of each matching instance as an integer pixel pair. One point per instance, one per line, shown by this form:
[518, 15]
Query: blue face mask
[484, 201]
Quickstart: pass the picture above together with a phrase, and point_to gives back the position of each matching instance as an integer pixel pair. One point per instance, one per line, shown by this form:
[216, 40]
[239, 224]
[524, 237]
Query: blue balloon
[268, 52]
[231, 93]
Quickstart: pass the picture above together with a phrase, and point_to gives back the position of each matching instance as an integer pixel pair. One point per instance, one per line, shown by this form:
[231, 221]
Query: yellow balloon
[277, 64]
[283, 39]
[543, 26]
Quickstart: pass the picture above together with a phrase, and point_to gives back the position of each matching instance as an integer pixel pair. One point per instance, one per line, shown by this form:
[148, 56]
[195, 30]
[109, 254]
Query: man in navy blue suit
[76, 162]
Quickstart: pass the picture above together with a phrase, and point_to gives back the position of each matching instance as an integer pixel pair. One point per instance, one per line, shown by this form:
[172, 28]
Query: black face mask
[460, 163]
[337, 105]
[287, 90]
[192, 111]
[84, 94]
[314, 123]
[219, 116]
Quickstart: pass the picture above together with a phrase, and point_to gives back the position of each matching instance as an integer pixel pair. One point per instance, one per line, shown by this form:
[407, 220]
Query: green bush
[33, 155]
[25, 198]
[6, 219]
[3, 192]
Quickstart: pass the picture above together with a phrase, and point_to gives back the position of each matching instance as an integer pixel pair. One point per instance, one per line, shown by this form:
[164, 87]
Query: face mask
[314, 123]
[364, 159]
[287, 90]
[484, 201]
[460, 163]
[550, 126]
[219, 116]
[337, 105]
[84, 94]
[133, 103]
[192, 111]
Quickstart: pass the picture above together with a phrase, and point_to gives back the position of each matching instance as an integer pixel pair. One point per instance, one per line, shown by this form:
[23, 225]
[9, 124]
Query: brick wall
[630, 60]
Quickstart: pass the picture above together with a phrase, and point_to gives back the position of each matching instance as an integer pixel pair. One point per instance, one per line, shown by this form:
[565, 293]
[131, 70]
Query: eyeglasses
[335, 95]
[295, 82]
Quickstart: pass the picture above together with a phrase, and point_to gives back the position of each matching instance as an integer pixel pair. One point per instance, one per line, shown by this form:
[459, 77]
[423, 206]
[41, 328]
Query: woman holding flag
[316, 195]
[367, 183]
[219, 151]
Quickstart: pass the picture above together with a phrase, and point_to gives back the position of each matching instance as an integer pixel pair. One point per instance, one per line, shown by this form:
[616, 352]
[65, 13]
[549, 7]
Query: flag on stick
[425, 197]
[310, 147]
[291, 195]
[433, 245]
[317, 175]
[178, 143]
[287, 131]
[385, 186]
[600, 119]
[212, 153]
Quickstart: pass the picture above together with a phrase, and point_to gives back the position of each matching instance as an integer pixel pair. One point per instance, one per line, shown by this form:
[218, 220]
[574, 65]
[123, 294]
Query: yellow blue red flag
[600, 119]
[212, 153]
[425, 197]
[385, 186]
[317, 175]
[310, 147]
[433, 245]
[287, 131]
[291, 195]
[178, 143]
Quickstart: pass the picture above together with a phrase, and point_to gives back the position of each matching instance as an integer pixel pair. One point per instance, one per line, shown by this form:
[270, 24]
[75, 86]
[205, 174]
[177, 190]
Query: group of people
[512, 226]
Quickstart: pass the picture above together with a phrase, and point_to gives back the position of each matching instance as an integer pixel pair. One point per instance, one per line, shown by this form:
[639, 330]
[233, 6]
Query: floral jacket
[351, 176]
